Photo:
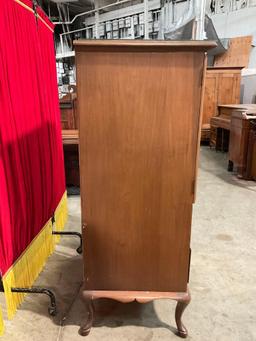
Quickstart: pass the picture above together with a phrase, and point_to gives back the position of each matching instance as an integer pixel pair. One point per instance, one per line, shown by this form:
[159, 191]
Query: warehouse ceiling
[77, 6]
[65, 10]
[74, 6]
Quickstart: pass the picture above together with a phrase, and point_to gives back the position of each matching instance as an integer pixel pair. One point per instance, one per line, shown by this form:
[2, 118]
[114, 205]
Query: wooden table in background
[220, 124]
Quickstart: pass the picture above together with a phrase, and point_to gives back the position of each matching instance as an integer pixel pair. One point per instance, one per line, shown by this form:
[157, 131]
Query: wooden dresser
[138, 166]
[222, 86]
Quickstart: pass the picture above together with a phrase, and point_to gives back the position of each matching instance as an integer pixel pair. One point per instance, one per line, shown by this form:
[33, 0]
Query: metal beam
[97, 23]
[124, 12]
[200, 15]
[146, 35]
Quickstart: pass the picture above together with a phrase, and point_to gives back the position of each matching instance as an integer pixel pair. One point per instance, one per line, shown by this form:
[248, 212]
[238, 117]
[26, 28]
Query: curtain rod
[35, 13]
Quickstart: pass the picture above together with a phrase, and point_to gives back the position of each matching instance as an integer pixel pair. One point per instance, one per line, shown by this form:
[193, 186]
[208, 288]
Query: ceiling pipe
[91, 11]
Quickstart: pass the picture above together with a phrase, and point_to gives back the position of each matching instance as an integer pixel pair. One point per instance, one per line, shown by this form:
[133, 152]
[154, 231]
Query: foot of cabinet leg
[230, 166]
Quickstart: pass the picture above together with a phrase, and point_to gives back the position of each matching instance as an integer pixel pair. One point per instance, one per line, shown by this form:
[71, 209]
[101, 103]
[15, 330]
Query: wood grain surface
[222, 86]
[139, 296]
[238, 53]
[139, 124]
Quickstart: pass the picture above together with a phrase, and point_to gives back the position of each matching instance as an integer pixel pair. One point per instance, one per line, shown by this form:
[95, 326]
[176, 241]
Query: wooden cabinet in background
[222, 86]
[69, 125]
[69, 119]
[241, 149]
[251, 159]
[71, 157]
[138, 165]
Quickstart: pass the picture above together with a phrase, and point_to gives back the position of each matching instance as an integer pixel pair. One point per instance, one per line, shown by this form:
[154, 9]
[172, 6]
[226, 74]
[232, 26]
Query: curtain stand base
[52, 309]
[71, 233]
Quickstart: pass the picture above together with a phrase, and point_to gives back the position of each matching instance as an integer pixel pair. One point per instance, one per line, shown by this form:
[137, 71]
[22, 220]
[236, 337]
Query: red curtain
[31, 155]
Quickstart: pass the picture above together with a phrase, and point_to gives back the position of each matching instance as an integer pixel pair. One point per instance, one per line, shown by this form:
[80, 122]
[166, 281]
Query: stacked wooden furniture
[222, 86]
[238, 53]
[138, 165]
[242, 142]
[69, 123]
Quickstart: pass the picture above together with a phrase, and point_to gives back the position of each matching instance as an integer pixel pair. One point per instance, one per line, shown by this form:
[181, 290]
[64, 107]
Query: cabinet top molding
[210, 68]
[94, 44]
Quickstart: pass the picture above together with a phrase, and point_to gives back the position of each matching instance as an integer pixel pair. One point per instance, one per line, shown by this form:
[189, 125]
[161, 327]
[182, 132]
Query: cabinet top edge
[212, 68]
[203, 45]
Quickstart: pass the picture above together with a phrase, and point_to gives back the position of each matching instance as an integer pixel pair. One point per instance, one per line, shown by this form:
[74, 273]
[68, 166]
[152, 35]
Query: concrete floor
[222, 278]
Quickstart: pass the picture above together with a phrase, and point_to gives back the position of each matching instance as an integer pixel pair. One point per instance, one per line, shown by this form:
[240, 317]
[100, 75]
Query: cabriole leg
[86, 326]
[181, 306]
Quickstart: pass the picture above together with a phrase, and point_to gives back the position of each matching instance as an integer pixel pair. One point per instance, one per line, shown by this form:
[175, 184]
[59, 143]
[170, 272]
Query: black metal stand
[69, 233]
[52, 309]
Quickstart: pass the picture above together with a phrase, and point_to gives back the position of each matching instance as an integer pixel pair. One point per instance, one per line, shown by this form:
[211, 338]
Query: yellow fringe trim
[26, 269]
[60, 216]
[1, 323]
